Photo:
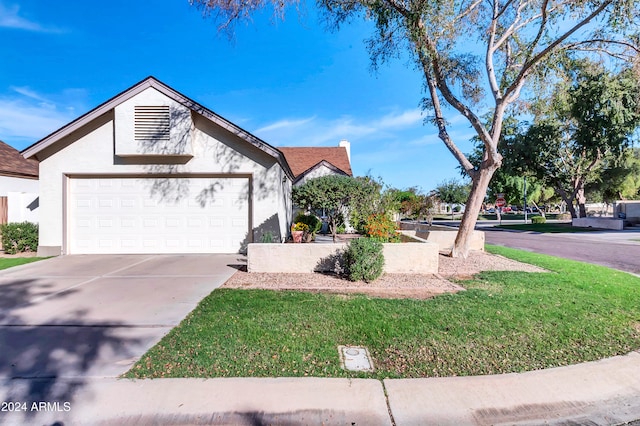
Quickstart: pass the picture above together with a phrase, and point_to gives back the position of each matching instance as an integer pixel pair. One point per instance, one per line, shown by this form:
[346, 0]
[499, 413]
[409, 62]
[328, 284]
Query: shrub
[310, 220]
[363, 259]
[267, 237]
[538, 220]
[19, 237]
[380, 227]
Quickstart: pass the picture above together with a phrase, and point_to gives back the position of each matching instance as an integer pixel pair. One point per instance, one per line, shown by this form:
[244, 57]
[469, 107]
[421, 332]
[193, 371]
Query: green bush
[19, 237]
[363, 259]
[538, 220]
[311, 221]
[267, 237]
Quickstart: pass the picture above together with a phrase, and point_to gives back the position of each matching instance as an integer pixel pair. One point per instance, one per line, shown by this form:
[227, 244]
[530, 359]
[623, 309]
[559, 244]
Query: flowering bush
[381, 228]
[299, 226]
[314, 223]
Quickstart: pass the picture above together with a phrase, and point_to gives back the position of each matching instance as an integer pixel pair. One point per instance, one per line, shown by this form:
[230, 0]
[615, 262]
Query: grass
[8, 262]
[504, 322]
[517, 216]
[554, 228]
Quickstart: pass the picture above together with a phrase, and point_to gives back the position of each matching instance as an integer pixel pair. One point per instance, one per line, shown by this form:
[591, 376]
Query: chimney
[346, 145]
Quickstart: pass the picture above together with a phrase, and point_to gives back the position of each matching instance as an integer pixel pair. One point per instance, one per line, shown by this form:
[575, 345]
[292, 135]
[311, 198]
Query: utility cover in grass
[355, 358]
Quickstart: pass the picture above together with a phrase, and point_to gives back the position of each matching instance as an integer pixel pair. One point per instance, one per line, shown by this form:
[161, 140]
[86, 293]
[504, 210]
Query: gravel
[415, 286]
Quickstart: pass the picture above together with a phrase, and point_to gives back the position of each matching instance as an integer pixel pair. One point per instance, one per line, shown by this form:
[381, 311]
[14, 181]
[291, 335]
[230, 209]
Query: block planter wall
[442, 235]
[414, 258]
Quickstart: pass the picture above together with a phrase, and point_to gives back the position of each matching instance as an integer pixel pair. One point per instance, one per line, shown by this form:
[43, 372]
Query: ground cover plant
[504, 322]
[8, 262]
[552, 228]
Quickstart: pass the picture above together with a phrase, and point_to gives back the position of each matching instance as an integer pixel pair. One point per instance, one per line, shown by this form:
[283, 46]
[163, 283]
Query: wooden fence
[3, 210]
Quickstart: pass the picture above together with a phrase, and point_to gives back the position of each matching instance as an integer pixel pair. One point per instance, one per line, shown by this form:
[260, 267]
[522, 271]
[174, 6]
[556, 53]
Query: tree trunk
[474, 203]
[581, 199]
[334, 227]
[568, 200]
[538, 207]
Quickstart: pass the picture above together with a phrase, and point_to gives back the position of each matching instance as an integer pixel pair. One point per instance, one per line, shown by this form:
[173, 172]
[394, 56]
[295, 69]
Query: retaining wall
[598, 222]
[417, 258]
[441, 235]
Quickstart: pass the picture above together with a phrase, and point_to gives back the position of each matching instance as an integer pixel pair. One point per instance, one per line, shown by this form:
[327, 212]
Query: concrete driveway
[95, 315]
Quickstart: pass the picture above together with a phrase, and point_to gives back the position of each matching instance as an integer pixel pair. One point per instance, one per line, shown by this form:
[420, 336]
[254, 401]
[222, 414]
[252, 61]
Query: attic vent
[152, 123]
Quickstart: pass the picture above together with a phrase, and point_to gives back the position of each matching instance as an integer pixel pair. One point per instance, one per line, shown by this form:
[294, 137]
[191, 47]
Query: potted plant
[298, 230]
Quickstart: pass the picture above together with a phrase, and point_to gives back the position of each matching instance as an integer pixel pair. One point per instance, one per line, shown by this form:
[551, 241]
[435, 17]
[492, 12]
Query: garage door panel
[141, 215]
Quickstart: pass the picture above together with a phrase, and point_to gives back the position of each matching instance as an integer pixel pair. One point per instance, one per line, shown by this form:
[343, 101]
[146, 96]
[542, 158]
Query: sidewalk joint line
[386, 399]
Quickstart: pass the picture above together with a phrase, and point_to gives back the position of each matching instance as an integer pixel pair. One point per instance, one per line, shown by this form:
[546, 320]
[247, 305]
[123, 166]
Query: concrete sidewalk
[605, 392]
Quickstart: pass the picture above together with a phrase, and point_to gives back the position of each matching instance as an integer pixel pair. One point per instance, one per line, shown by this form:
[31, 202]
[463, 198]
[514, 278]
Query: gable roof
[304, 159]
[15, 165]
[152, 82]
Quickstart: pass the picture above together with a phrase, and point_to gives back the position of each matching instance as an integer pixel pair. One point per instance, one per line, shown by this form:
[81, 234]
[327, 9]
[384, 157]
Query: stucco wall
[598, 222]
[418, 258]
[445, 238]
[90, 150]
[317, 172]
[630, 208]
[22, 207]
[180, 133]
[13, 184]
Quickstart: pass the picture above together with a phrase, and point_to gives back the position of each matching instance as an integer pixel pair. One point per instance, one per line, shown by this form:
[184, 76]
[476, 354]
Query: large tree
[619, 180]
[580, 131]
[464, 48]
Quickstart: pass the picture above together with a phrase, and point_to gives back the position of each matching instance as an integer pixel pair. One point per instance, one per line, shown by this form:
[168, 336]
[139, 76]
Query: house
[152, 171]
[311, 162]
[18, 186]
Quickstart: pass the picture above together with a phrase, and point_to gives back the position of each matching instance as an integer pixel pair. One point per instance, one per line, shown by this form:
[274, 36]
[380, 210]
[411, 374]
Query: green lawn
[518, 216]
[504, 322]
[8, 262]
[554, 228]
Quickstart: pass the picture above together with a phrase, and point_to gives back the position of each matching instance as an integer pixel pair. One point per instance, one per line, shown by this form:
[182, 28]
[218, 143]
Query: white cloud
[10, 18]
[404, 119]
[314, 131]
[25, 91]
[284, 124]
[31, 116]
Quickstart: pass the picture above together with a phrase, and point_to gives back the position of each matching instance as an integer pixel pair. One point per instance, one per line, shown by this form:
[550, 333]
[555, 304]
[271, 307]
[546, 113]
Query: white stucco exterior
[22, 198]
[14, 184]
[104, 148]
[318, 171]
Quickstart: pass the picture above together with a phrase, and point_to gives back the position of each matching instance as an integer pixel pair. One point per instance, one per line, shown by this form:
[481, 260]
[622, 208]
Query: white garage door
[159, 215]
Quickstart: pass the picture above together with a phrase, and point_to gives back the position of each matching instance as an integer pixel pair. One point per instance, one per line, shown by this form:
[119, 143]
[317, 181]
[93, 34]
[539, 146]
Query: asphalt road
[616, 249]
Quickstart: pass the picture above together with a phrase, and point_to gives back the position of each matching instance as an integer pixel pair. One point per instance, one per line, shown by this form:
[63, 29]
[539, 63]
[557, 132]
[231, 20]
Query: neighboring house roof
[152, 82]
[15, 165]
[304, 159]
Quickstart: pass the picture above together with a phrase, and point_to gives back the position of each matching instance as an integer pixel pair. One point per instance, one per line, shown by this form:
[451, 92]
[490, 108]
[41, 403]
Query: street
[615, 249]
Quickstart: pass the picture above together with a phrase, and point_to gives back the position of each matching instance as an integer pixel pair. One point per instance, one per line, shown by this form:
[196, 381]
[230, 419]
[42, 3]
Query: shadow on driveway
[67, 320]
[55, 357]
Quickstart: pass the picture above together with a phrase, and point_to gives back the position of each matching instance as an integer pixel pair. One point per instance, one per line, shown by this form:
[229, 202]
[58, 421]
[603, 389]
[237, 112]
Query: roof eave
[152, 82]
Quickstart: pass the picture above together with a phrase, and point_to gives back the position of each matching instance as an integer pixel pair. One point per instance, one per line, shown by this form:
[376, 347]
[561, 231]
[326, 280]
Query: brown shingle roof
[301, 159]
[14, 164]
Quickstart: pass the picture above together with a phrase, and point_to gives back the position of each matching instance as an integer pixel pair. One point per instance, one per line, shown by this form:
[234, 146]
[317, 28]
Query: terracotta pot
[297, 236]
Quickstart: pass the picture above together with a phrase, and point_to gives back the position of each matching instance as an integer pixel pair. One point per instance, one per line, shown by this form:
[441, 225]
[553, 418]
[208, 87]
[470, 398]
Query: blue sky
[290, 83]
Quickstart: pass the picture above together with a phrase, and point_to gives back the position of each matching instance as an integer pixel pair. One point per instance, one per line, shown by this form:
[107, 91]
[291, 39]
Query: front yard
[504, 322]
[8, 262]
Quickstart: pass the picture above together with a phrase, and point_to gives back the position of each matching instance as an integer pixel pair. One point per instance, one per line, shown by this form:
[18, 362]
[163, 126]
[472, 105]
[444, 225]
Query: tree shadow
[49, 361]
